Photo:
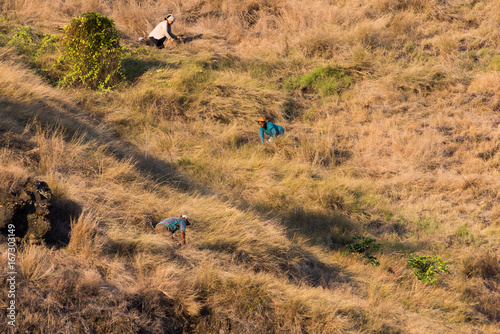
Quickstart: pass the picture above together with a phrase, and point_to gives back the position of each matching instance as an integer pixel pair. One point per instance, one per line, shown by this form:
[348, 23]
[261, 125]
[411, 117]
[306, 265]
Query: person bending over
[172, 225]
[270, 129]
[162, 32]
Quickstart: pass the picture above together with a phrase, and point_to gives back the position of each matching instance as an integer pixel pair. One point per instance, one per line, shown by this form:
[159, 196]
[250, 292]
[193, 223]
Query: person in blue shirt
[172, 225]
[269, 129]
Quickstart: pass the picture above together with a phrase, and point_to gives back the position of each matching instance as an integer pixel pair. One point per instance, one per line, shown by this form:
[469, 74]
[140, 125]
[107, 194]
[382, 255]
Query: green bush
[92, 49]
[364, 245]
[425, 267]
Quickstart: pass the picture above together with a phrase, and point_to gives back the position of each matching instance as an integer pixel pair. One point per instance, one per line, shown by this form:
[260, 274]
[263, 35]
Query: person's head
[261, 121]
[170, 18]
[185, 218]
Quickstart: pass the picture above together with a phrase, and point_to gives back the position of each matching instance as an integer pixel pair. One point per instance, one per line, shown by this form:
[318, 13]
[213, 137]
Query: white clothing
[162, 30]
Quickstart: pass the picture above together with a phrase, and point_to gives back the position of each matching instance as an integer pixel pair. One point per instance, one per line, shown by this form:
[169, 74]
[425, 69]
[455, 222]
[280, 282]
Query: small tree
[425, 267]
[92, 49]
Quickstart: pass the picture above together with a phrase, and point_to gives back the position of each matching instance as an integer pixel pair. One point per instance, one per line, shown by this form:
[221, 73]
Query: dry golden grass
[408, 154]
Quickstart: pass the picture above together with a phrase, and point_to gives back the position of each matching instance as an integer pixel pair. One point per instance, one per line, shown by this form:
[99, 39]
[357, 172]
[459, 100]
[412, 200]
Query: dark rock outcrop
[27, 206]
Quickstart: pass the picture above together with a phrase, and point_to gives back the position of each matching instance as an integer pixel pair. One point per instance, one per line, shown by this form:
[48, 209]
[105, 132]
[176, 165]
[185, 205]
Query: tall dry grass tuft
[11, 176]
[37, 263]
[481, 264]
[135, 17]
[15, 86]
[86, 238]
[177, 286]
[483, 270]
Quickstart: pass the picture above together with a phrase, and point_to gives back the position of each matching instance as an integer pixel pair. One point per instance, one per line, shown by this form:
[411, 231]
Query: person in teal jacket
[172, 225]
[270, 129]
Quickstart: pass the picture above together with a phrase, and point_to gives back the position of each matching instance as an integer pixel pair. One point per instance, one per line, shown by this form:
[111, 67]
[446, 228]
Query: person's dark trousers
[158, 42]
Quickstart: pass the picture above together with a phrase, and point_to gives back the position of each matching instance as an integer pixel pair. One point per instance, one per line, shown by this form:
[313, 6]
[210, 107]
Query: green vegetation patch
[425, 267]
[4, 30]
[364, 245]
[29, 42]
[93, 51]
[24, 41]
[323, 80]
[495, 63]
[39, 50]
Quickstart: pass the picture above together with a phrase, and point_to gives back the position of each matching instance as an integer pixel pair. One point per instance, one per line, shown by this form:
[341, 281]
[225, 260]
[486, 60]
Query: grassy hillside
[392, 118]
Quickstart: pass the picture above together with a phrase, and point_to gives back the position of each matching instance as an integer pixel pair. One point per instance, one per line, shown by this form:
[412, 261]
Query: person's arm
[261, 134]
[170, 35]
[183, 237]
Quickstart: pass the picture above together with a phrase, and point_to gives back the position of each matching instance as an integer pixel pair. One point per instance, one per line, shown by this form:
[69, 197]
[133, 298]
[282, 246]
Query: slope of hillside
[392, 115]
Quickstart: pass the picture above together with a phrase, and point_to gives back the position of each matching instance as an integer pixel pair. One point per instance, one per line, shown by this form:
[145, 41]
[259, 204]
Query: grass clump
[324, 80]
[4, 30]
[494, 63]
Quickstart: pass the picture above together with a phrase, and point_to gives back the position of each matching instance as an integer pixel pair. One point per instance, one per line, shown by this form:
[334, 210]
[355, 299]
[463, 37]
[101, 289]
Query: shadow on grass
[407, 247]
[335, 231]
[134, 68]
[189, 39]
[56, 115]
[331, 230]
[62, 212]
[296, 263]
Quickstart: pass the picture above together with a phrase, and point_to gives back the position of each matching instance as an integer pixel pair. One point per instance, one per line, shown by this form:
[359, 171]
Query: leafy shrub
[364, 246]
[23, 41]
[425, 267]
[324, 80]
[92, 49]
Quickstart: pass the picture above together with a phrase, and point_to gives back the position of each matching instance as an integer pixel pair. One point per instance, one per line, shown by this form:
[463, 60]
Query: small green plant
[425, 267]
[93, 51]
[4, 30]
[364, 245]
[253, 300]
